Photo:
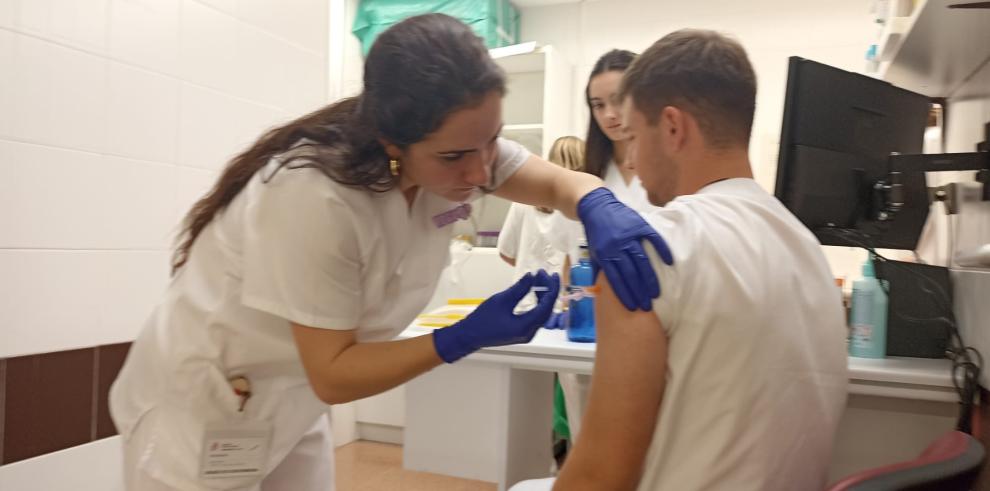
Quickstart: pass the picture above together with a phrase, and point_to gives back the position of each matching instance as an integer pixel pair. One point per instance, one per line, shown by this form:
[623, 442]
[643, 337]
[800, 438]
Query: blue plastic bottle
[868, 316]
[581, 319]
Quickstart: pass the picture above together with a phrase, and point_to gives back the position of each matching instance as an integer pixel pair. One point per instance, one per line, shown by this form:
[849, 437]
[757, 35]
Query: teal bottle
[581, 317]
[868, 316]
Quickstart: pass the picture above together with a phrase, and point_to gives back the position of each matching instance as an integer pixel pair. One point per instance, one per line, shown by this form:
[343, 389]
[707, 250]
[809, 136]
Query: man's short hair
[702, 72]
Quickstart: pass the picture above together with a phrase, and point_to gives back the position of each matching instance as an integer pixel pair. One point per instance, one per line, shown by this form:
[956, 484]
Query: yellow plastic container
[465, 301]
[442, 316]
[438, 325]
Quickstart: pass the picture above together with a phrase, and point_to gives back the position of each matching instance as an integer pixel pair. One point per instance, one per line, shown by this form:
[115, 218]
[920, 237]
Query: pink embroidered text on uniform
[461, 212]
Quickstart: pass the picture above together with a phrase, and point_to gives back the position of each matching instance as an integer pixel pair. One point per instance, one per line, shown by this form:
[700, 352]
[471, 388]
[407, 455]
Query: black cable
[967, 362]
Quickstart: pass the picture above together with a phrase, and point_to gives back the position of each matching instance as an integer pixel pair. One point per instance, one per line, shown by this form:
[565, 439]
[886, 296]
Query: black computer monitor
[839, 130]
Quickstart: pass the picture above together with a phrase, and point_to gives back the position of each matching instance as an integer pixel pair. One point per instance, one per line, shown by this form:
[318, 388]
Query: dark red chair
[951, 463]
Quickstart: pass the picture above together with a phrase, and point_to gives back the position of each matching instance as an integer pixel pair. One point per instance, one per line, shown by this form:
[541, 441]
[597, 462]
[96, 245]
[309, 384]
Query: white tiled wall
[145, 34]
[142, 114]
[115, 115]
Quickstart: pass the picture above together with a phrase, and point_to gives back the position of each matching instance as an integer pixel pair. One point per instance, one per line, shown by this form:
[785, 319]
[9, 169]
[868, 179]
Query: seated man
[737, 379]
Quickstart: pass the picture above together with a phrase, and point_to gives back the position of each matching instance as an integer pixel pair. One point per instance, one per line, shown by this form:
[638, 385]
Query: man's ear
[673, 126]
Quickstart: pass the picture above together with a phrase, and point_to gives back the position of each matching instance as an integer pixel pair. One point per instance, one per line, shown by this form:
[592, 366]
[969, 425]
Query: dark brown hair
[417, 73]
[599, 149]
[702, 72]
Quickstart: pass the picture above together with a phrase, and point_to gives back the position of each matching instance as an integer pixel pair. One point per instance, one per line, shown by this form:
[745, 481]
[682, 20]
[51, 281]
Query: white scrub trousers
[307, 467]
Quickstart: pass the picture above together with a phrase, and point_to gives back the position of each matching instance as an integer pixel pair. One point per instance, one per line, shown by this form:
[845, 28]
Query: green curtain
[495, 21]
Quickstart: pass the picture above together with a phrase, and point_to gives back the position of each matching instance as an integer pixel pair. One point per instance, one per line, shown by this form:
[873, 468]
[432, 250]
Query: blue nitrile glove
[557, 321]
[615, 233]
[494, 324]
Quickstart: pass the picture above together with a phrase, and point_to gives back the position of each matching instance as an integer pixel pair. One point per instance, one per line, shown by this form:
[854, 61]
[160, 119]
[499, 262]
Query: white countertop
[909, 378]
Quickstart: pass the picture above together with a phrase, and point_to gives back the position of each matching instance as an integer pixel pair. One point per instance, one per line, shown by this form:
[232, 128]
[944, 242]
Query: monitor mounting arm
[888, 193]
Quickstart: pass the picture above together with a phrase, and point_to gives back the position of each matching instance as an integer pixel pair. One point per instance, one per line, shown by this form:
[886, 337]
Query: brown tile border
[110, 358]
[3, 401]
[48, 403]
[94, 383]
[52, 401]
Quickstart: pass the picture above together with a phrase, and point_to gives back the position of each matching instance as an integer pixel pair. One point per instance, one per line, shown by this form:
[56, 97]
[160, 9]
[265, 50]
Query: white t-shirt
[299, 247]
[756, 371]
[526, 237]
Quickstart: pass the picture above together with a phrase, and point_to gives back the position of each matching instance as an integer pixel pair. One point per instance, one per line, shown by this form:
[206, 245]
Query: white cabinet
[381, 418]
[478, 272]
[537, 109]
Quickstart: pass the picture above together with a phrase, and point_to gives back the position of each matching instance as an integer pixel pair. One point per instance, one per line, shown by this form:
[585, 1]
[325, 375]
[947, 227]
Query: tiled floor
[369, 466]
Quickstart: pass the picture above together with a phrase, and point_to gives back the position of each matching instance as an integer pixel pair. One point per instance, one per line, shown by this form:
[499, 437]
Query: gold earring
[393, 166]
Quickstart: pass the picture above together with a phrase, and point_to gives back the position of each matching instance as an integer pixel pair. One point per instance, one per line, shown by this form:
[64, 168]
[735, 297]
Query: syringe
[573, 292]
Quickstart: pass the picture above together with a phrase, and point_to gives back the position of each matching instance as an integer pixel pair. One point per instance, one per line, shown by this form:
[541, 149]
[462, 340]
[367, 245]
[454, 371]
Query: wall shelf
[523, 62]
[523, 128]
[529, 135]
[892, 36]
[941, 49]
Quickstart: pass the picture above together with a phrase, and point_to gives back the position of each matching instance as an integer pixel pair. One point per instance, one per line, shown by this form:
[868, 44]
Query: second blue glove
[558, 320]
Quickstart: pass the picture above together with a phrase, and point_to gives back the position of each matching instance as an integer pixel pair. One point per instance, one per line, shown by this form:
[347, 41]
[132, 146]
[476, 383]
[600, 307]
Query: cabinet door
[558, 100]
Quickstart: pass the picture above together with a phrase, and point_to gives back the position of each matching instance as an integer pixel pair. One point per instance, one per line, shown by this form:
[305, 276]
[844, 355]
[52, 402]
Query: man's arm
[626, 390]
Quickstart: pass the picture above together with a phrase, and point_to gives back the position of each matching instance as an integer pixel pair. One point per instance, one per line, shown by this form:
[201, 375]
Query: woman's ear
[391, 149]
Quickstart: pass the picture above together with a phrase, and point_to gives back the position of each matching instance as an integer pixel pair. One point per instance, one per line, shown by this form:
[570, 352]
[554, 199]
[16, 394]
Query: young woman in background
[606, 143]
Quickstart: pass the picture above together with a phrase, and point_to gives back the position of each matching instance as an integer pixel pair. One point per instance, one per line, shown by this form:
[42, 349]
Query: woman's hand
[615, 233]
[494, 323]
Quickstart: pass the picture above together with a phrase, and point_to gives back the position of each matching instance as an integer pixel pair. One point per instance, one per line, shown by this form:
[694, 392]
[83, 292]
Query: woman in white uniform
[319, 244]
[606, 144]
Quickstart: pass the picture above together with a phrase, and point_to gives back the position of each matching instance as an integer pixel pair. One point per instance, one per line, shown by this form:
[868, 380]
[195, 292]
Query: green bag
[495, 21]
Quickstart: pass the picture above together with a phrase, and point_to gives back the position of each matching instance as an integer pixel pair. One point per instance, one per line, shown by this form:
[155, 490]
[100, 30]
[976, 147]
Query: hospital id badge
[235, 450]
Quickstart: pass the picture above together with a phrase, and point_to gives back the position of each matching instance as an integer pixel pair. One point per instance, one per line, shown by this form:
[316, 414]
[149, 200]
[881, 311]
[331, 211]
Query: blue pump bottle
[581, 319]
[868, 316]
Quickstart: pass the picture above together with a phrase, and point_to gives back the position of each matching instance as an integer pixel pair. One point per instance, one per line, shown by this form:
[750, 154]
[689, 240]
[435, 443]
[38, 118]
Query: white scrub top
[526, 237]
[633, 194]
[299, 248]
[756, 371]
